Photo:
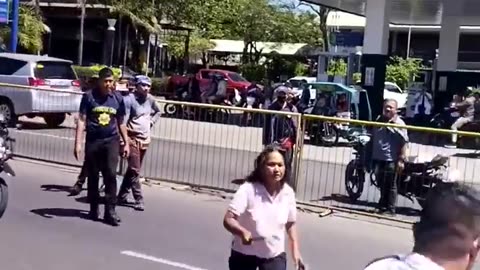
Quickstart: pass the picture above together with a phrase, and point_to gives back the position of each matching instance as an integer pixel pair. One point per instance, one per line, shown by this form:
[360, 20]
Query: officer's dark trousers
[387, 179]
[102, 156]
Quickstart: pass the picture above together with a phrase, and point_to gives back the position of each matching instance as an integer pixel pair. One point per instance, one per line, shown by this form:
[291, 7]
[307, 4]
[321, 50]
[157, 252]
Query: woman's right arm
[237, 207]
[232, 225]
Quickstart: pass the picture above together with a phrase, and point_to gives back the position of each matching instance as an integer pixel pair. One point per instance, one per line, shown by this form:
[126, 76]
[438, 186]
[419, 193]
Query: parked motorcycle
[175, 109]
[221, 115]
[250, 100]
[415, 181]
[321, 132]
[6, 153]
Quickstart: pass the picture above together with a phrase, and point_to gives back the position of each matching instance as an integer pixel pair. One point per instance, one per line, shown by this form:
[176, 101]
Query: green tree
[30, 30]
[253, 23]
[337, 68]
[320, 14]
[295, 27]
[209, 19]
[402, 71]
[198, 46]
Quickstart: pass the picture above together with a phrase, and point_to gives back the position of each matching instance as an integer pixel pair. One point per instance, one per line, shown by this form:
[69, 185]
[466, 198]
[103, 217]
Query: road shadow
[56, 188]
[25, 125]
[365, 206]
[473, 155]
[60, 212]
[84, 200]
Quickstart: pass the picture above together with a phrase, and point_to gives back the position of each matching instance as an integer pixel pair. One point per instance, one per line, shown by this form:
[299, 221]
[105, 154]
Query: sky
[290, 2]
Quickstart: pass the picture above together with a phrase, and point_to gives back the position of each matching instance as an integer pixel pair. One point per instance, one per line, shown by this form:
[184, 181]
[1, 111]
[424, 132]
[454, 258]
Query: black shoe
[76, 189]
[122, 201]
[389, 213]
[111, 217]
[94, 213]
[385, 212]
[139, 206]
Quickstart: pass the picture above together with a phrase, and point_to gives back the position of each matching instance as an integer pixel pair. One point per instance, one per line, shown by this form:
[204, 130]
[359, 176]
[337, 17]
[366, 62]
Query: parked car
[393, 91]
[298, 82]
[54, 75]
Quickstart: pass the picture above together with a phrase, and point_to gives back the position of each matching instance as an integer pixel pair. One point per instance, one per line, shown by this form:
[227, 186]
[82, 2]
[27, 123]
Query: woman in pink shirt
[260, 212]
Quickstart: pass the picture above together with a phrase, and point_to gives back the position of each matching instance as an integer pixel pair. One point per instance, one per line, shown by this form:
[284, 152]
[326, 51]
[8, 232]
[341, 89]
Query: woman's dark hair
[257, 175]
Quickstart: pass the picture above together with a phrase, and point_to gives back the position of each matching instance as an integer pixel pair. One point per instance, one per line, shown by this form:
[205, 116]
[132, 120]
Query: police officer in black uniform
[102, 111]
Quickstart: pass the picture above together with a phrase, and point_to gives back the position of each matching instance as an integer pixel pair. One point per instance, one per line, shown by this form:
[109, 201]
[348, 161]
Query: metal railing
[209, 146]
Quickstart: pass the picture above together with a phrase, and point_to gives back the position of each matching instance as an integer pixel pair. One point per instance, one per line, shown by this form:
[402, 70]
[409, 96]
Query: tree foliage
[321, 14]
[402, 71]
[248, 20]
[198, 46]
[337, 67]
[399, 70]
[30, 30]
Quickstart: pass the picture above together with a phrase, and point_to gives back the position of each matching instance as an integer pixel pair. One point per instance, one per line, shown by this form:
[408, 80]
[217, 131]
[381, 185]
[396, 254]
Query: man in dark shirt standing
[102, 111]
[389, 154]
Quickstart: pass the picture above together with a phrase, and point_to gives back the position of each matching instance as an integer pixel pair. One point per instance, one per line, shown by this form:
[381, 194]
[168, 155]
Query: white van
[62, 92]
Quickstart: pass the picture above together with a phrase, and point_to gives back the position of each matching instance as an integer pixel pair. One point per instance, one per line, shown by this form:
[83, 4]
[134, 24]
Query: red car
[234, 80]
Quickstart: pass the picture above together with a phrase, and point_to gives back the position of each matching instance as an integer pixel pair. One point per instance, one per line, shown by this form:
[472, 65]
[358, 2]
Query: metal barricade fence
[329, 174]
[44, 132]
[209, 146]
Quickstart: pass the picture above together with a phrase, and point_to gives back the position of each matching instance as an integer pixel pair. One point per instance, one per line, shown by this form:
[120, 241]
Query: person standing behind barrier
[281, 129]
[143, 112]
[447, 235]
[466, 106]
[102, 111]
[259, 239]
[389, 154]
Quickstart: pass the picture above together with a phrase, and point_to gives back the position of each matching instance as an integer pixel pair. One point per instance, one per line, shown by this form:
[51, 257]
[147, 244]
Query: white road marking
[160, 260]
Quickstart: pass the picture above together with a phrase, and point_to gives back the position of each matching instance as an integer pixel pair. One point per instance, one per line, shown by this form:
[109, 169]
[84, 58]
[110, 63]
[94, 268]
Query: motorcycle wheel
[438, 139]
[170, 109]
[3, 197]
[332, 138]
[354, 180]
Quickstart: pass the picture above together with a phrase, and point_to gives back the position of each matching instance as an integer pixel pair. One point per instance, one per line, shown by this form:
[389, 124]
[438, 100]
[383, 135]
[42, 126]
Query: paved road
[43, 229]
[213, 154]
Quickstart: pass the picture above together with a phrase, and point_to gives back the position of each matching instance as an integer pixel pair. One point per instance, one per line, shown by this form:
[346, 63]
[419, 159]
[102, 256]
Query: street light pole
[409, 41]
[110, 40]
[14, 27]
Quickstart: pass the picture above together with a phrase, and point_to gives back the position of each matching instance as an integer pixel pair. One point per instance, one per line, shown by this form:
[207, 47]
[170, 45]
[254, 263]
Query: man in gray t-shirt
[141, 114]
[388, 153]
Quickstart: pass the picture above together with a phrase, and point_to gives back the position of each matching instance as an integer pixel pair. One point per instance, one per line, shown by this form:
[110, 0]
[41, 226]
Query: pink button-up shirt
[264, 216]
